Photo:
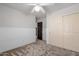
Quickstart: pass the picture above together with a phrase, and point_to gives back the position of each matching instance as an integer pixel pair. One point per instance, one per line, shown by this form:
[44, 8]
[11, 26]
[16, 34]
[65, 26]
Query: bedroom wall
[63, 28]
[16, 28]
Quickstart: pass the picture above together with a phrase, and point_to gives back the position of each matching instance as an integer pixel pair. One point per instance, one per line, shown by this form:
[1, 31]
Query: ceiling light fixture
[38, 8]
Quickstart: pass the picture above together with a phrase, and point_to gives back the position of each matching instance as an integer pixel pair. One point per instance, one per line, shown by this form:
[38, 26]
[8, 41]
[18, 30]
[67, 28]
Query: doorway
[39, 30]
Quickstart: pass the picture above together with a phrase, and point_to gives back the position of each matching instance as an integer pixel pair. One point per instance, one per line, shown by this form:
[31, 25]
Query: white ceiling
[24, 7]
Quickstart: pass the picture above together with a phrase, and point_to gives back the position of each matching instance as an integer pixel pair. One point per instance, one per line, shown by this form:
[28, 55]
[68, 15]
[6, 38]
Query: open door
[39, 30]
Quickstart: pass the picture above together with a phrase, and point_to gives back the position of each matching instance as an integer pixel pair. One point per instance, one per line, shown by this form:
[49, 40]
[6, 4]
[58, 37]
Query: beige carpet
[39, 48]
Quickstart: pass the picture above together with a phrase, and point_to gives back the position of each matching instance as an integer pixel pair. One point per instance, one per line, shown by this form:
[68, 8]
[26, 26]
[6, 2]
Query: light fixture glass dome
[38, 8]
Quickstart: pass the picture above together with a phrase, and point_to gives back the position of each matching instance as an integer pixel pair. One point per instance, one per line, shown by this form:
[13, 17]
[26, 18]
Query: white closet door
[71, 31]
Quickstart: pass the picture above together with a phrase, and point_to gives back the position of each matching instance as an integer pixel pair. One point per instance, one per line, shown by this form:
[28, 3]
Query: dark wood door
[39, 36]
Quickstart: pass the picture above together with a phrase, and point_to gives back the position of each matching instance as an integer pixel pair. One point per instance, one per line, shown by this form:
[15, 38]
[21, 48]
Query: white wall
[43, 19]
[16, 28]
[62, 28]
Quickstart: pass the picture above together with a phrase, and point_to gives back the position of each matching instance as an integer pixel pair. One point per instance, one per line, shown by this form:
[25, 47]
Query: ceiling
[24, 7]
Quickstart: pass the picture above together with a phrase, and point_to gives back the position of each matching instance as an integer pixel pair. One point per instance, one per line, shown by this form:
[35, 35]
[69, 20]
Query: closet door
[71, 31]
